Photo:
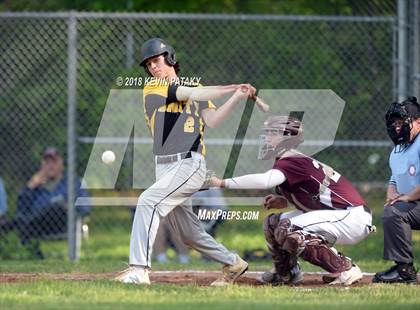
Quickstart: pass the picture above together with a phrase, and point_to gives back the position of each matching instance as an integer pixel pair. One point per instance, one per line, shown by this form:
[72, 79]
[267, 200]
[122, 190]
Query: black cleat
[397, 274]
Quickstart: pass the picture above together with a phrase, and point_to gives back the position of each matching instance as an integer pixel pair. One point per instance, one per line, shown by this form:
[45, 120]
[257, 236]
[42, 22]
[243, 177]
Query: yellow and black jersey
[176, 126]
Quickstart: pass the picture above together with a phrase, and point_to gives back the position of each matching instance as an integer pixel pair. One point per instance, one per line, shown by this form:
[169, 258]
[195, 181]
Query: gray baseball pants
[169, 196]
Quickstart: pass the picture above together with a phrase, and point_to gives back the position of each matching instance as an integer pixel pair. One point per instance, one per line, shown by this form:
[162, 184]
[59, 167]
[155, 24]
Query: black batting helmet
[155, 47]
[290, 128]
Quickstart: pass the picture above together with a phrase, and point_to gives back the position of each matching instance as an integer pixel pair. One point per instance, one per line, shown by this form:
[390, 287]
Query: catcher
[329, 210]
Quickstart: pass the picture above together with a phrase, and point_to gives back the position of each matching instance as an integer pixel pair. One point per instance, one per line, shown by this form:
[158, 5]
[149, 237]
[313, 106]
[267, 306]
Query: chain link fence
[44, 67]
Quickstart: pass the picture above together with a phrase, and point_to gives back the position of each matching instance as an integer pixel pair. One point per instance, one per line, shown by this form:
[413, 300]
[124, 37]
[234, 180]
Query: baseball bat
[264, 107]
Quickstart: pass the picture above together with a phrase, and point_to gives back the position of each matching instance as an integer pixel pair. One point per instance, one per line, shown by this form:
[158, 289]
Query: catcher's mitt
[207, 182]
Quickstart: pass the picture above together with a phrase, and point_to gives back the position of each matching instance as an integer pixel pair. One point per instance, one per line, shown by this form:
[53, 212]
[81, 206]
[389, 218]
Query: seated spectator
[210, 201]
[3, 200]
[42, 203]
[166, 237]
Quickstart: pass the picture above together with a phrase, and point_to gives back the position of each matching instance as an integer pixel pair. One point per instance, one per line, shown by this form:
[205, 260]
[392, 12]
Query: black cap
[51, 152]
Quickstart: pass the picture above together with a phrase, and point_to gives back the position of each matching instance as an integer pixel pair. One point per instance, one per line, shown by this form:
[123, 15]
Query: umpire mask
[400, 116]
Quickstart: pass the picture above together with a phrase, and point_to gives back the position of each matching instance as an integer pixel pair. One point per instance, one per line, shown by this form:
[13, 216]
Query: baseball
[108, 157]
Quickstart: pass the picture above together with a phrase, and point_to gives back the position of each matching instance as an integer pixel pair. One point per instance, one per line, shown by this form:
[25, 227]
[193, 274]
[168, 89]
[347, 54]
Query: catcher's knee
[276, 229]
[282, 230]
[294, 242]
[269, 225]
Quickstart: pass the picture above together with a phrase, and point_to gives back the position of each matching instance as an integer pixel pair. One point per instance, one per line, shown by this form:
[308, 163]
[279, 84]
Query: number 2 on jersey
[189, 125]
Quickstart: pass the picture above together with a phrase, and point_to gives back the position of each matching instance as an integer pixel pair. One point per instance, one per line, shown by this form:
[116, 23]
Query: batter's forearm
[184, 93]
[214, 117]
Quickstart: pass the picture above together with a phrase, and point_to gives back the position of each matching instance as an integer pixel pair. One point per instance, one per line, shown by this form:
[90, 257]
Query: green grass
[106, 250]
[107, 295]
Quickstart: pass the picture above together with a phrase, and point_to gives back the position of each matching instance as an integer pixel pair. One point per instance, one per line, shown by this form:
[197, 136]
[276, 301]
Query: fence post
[73, 240]
[416, 48]
[402, 50]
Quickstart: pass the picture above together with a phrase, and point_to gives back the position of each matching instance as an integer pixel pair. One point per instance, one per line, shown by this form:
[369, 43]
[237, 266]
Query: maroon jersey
[312, 185]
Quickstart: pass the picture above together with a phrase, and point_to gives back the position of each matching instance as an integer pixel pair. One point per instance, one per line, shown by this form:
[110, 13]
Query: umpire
[402, 209]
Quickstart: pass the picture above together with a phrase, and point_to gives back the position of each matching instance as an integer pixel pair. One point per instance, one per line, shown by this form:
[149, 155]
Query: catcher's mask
[399, 121]
[279, 134]
[155, 47]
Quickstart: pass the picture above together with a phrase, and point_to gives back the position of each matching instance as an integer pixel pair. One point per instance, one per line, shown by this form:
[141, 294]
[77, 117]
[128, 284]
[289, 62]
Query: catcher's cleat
[327, 279]
[231, 272]
[403, 273]
[295, 276]
[348, 277]
[331, 277]
[133, 275]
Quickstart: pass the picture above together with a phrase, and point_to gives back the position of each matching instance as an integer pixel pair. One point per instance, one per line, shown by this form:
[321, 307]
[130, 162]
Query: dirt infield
[202, 278]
